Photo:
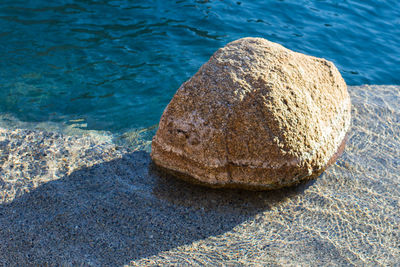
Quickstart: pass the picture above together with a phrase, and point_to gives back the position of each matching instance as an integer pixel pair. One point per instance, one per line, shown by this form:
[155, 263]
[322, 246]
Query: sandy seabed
[85, 200]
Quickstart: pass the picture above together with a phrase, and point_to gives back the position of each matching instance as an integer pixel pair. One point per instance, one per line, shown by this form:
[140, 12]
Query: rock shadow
[119, 211]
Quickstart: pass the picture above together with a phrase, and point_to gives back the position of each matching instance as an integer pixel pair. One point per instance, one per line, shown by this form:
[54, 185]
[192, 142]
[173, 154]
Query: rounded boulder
[257, 116]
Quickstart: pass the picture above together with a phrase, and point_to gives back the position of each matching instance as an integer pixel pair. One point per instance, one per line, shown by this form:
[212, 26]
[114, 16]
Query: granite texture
[256, 115]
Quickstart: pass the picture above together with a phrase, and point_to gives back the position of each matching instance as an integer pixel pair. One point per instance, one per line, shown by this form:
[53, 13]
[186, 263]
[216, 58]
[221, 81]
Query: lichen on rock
[257, 116]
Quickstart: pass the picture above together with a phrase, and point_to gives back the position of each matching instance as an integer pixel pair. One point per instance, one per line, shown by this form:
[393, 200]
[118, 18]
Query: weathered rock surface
[256, 115]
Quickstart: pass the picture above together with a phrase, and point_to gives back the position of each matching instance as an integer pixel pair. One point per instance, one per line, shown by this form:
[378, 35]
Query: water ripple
[138, 53]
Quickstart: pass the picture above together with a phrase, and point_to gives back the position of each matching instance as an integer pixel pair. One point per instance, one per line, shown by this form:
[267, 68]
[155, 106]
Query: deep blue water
[115, 65]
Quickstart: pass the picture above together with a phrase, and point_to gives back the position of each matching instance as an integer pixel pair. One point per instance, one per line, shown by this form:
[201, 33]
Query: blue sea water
[114, 65]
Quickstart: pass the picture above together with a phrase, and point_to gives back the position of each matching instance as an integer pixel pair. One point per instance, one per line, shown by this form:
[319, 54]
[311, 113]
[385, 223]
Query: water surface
[77, 200]
[107, 69]
[114, 65]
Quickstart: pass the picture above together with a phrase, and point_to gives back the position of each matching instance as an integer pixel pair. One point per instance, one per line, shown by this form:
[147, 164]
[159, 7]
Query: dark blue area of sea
[114, 65]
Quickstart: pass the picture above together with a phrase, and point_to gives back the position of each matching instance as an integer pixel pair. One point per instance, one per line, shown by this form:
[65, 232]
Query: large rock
[256, 115]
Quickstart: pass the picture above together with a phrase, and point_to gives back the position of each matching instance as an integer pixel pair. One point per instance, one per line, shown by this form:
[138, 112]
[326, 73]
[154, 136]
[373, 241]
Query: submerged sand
[84, 200]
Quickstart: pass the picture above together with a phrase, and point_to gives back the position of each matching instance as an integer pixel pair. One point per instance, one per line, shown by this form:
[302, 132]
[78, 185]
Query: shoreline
[88, 200]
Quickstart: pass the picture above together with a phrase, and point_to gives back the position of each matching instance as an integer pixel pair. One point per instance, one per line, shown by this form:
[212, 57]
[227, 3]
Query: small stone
[255, 116]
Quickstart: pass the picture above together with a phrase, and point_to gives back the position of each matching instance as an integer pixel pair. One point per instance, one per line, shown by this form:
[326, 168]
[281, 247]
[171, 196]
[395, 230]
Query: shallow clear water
[114, 65]
[79, 201]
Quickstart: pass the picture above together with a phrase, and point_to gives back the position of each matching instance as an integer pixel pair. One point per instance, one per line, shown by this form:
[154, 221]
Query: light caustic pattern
[81, 200]
[350, 215]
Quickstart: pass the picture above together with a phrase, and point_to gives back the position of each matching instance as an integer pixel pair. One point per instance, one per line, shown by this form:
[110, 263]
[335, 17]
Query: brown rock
[257, 116]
